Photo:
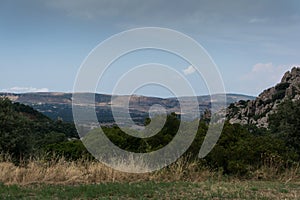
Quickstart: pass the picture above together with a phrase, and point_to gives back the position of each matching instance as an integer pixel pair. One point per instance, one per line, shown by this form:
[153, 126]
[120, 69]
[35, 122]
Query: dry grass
[60, 171]
[60, 179]
[86, 172]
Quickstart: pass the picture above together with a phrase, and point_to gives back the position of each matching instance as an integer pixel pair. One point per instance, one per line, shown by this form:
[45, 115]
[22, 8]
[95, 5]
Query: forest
[241, 150]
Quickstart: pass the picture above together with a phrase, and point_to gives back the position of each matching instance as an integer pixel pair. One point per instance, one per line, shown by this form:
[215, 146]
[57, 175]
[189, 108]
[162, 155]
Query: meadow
[209, 189]
[85, 179]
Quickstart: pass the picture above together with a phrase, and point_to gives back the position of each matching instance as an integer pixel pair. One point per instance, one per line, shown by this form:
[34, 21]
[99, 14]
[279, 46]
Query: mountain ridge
[58, 105]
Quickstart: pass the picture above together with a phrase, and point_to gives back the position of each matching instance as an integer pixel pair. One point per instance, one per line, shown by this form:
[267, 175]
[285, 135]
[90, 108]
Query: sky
[44, 43]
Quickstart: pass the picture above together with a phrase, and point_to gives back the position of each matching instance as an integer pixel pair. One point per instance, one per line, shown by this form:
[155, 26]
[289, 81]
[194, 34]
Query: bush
[282, 86]
[278, 95]
[285, 124]
[70, 150]
[238, 151]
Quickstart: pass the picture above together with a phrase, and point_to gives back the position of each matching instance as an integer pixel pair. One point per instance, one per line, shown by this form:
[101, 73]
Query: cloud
[264, 75]
[262, 67]
[190, 70]
[195, 12]
[257, 20]
[218, 21]
[91, 9]
[24, 90]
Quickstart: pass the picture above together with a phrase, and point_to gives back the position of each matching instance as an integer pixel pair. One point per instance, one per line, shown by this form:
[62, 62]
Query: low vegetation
[153, 190]
[62, 172]
[36, 150]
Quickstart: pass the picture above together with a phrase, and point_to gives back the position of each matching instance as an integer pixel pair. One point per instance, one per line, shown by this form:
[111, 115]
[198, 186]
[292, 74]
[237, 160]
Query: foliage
[70, 150]
[285, 123]
[139, 145]
[240, 149]
[280, 90]
[282, 86]
[24, 131]
[14, 131]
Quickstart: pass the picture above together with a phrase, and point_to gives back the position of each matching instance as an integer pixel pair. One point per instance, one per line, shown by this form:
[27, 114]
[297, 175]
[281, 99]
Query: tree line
[241, 149]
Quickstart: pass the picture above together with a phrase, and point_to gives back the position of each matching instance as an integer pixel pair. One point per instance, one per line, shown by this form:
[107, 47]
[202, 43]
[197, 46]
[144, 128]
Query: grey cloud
[215, 17]
[261, 23]
[146, 10]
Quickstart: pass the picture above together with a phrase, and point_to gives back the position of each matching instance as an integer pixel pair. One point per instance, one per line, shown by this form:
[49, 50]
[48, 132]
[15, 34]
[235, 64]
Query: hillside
[257, 111]
[59, 105]
[25, 131]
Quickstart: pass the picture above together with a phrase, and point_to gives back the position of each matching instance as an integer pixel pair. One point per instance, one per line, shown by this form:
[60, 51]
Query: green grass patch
[152, 190]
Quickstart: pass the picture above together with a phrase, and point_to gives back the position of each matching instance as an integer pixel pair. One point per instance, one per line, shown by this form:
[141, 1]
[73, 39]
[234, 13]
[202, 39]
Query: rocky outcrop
[257, 111]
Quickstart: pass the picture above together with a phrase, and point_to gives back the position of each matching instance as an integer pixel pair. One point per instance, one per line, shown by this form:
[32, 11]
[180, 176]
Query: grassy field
[60, 179]
[152, 190]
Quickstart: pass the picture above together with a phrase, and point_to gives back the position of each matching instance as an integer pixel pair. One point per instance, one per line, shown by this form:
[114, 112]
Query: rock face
[257, 111]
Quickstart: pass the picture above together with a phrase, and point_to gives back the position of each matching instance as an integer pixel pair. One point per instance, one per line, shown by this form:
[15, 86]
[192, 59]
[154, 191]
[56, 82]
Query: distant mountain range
[59, 105]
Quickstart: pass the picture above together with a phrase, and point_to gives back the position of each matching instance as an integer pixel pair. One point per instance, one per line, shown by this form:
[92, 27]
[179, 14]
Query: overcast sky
[43, 43]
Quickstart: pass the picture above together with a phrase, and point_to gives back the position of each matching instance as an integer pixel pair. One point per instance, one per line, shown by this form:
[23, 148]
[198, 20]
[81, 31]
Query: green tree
[238, 151]
[14, 131]
[24, 131]
[70, 150]
[285, 123]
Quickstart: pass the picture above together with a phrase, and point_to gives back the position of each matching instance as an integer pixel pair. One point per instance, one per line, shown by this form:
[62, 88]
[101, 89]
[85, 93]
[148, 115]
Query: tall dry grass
[60, 171]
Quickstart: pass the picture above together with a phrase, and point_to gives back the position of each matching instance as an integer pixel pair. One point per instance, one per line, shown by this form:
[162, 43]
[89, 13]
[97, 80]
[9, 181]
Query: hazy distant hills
[59, 105]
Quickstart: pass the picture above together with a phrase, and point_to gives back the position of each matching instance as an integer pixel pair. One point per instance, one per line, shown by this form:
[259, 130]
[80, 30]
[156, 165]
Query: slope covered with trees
[24, 131]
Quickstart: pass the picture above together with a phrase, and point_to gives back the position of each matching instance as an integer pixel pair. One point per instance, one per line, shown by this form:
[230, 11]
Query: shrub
[238, 151]
[285, 124]
[70, 150]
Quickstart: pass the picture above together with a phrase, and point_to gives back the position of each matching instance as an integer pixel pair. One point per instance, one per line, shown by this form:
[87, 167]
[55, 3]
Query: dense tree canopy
[285, 123]
[24, 131]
